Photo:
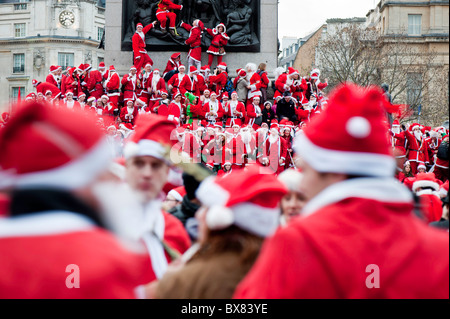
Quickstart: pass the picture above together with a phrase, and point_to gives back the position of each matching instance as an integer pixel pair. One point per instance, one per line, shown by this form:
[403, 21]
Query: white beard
[396, 130]
[155, 81]
[130, 110]
[246, 137]
[249, 76]
[418, 135]
[273, 138]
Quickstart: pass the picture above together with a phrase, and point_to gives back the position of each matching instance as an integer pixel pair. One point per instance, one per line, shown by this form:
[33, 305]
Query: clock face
[66, 18]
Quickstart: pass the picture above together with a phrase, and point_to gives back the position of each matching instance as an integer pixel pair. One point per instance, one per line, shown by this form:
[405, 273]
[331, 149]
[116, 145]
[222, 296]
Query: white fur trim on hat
[219, 217]
[431, 184]
[144, 148]
[175, 195]
[346, 162]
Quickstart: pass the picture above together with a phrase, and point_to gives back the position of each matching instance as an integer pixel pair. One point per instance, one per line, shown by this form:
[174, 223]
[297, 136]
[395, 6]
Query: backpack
[229, 87]
[443, 151]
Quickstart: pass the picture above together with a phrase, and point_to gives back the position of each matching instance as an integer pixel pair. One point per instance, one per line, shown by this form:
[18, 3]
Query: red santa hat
[44, 147]
[139, 25]
[213, 93]
[163, 92]
[207, 91]
[315, 73]
[53, 68]
[81, 94]
[292, 71]
[48, 92]
[193, 69]
[112, 68]
[148, 64]
[247, 199]
[181, 67]
[133, 68]
[225, 94]
[222, 66]
[178, 93]
[205, 68]
[178, 193]
[35, 82]
[30, 96]
[413, 126]
[425, 180]
[349, 137]
[91, 98]
[69, 92]
[396, 123]
[421, 165]
[175, 55]
[152, 137]
[241, 72]
[102, 65]
[234, 93]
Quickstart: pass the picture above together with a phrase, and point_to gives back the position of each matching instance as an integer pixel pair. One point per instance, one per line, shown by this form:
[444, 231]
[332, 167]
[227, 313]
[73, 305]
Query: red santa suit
[254, 80]
[140, 56]
[219, 81]
[346, 270]
[175, 82]
[175, 112]
[94, 83]
[106, 268]
[285, 83]
[245, 149]
[417, 151]
[53, 79]
[155, 85]
[172, 65]
[218, 42]
[400, 143]
[276, 150]
[194, 41]
[142, 88]
[201, 83]
[112, 85]
[129, 86]
[190, 85]
[43, 87]
[214, 107]
[163, 13]
[72, 105]
[192, 146]
[235, 112]
[129, 114]
[70, 82]
[252, 113]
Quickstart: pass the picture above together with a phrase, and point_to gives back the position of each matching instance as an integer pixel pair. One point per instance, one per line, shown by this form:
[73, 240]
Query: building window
[19, 63]
[21, 5]
[414, 89]
[100, 33]
[19, 30]
[15, 92]
[65, 60]
[414, 24]
[101, 59]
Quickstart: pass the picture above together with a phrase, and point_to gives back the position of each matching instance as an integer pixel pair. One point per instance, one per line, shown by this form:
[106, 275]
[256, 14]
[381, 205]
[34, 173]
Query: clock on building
[66, 18]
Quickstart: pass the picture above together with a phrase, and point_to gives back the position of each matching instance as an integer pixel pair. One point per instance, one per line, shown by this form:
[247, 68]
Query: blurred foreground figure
[54, 244]
[238, 211]
[357, 236]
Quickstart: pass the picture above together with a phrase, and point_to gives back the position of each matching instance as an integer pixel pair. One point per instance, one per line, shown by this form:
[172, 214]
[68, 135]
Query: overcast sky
[298, 18]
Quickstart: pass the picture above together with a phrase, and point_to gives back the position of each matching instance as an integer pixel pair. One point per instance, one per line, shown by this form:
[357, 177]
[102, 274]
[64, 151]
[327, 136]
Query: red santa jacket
[282, 84]
[129, 86]
[94, 83]
[129, 115]
[43, 87]
[194, 41]
[264, 79]
[255, 85]
[218, 41]
[400, 143]
[235, 112]
[171, 65]
[53, 79]
[348, 236]
[201, 83]
[112, 84]
[219, 81]
[138, 41]
[189, 85]
[175, 112]
[69, 82]
[175, 82]
[417, 151]
[155, 89]
[45, 263]
[244, 150]
[191, 146]
[166, 5]
[431, 205]
[213, 107]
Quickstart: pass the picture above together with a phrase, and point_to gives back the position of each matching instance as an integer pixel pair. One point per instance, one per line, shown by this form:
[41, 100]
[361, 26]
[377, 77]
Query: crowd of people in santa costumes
[161, 228]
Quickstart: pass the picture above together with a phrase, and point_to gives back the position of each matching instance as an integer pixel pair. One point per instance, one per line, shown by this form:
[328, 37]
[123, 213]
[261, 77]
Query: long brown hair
[231, 239]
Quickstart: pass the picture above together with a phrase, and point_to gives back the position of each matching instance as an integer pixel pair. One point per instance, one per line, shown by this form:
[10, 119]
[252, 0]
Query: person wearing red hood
[195, 42]
[57, 241]
[172, 66]
[427, 187]
[417, 147]
[357, 237]
[44, 87]
[163, 14]
[54, 77]
[218, 43]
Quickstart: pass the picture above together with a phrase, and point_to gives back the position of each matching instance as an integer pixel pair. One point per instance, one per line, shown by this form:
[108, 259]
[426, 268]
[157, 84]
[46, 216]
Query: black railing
[19, 69]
